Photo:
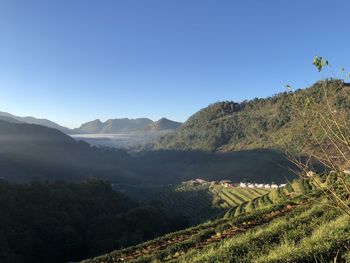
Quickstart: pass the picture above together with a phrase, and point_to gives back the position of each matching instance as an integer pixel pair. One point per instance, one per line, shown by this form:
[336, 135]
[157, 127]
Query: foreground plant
[327, 129]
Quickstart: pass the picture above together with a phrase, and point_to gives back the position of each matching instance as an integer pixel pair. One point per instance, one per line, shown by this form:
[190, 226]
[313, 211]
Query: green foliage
[320, 62]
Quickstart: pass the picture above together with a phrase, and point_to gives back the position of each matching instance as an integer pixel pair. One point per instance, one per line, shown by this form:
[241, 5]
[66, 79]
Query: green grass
[302, 236]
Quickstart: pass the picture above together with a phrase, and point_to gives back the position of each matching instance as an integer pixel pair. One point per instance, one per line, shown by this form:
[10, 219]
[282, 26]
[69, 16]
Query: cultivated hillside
[258, 123]
[290, 224]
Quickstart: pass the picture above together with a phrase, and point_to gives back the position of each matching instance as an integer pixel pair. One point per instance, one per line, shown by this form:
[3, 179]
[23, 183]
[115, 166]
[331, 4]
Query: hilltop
[258, 123]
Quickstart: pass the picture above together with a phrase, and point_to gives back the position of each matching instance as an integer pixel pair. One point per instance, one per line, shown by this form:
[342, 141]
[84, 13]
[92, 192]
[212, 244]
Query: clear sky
[73, 61]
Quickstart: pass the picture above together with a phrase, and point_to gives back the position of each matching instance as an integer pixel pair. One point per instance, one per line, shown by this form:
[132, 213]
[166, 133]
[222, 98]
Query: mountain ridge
[38, 121]
[258, 123]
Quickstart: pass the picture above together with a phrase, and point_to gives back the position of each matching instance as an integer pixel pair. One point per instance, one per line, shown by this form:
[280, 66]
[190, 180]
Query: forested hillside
[258, 123]
[63, 222]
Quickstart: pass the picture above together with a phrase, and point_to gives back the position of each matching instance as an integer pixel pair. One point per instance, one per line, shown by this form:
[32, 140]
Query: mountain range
[111, 126]
[125, 125]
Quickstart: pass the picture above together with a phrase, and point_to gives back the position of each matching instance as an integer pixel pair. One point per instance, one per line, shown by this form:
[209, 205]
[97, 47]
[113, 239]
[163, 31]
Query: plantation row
[182, 245]
[202, 202]
[296, 188]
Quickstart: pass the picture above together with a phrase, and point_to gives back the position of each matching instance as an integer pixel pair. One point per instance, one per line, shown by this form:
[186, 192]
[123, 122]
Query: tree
[327, 127]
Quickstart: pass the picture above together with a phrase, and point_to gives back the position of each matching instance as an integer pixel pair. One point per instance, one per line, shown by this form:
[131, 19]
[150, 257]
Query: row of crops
[205, 201]
[295, 188]
[254, 231]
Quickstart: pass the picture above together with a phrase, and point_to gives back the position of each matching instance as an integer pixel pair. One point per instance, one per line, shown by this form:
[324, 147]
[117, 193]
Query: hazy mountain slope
[31, 151]
[163, 124]
[258, 123]
[32, 120]
[9, 119]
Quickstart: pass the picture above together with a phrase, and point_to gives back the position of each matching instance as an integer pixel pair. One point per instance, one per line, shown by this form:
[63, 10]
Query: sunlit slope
[205, 201]
[286, 225]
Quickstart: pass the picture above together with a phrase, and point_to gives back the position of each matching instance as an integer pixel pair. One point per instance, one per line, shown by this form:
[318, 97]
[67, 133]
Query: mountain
[163, 124]
[32, 120]
[254, 124]
[124, 125]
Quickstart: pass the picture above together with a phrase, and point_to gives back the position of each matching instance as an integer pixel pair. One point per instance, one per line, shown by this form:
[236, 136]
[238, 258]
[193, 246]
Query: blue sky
[74, 61]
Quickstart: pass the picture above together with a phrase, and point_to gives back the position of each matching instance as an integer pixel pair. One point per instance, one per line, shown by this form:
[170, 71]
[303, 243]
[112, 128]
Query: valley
[185, 131]
[128, 141]
[191, 201]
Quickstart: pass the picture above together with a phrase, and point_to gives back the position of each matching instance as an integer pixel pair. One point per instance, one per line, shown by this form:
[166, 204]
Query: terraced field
[285, 225]
[202, 202]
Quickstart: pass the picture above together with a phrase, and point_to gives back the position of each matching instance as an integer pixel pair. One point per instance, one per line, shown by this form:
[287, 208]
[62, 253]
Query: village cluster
[229, 184]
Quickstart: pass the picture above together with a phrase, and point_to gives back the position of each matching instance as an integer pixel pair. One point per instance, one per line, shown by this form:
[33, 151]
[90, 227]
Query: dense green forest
[258, 123]
[60, 222]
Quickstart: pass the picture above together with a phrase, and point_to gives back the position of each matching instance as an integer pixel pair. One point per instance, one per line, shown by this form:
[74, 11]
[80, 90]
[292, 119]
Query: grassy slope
[259, 123]
[264, 232]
